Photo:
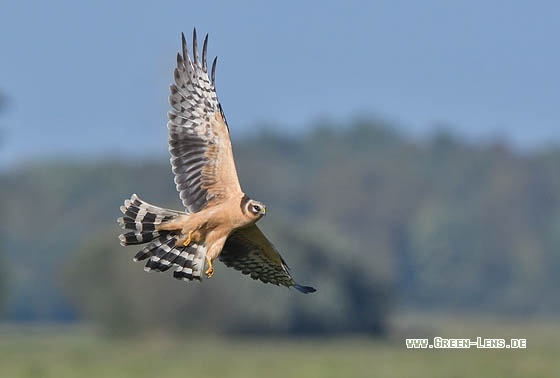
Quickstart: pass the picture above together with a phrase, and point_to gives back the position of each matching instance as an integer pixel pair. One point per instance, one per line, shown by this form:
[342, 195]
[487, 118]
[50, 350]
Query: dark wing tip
[214, 70]
[195, 48]
[204, 47]
[184, 46]
[305, 289]
[180, 61]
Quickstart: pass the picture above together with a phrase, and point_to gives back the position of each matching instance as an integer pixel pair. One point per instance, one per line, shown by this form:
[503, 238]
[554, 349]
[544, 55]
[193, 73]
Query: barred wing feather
[199, 142]
[250, 252]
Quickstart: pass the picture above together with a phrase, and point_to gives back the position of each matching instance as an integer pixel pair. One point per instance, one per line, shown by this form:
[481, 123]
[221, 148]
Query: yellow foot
[210, 271]
[188, 241]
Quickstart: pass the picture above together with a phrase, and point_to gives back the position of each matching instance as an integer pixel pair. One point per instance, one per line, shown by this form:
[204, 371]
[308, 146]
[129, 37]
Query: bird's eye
[257, 208]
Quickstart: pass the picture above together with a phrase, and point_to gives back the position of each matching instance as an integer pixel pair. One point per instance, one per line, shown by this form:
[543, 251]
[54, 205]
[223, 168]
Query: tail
[142, 218]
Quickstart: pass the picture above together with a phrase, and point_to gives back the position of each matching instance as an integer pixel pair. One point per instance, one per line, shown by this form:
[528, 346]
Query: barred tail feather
[190, 262]
[162, 256]
[153, 249]
[131, 238]
[141, 219]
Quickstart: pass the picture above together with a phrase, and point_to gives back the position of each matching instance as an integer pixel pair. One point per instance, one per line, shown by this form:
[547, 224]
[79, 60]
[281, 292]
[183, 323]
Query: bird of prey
[220, 219]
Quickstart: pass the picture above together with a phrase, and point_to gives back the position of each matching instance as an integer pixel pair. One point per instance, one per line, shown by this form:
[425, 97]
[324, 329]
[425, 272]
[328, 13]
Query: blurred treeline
[374, 219]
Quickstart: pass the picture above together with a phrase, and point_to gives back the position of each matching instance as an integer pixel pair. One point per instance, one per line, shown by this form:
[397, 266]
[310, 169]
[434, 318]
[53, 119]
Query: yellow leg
[210, 271]
[188, 241]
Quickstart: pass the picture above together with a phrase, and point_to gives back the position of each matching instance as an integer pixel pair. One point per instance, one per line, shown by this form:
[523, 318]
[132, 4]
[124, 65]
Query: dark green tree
[368, 216]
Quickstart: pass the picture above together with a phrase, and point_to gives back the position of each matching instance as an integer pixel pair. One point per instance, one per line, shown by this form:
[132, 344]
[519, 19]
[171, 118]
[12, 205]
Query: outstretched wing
[250, 252]
[199, 142]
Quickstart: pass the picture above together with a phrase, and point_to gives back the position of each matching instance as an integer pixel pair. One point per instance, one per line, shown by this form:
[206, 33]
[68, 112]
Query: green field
[60, 353]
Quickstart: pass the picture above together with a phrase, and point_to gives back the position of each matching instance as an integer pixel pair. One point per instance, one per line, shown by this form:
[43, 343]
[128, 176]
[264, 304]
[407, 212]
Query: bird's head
[253, 209]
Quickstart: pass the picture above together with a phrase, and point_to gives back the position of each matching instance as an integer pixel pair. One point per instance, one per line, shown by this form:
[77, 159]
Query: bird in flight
[219, 220]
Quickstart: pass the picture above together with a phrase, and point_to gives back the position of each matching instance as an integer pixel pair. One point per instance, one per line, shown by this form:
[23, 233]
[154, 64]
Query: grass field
[61, 353]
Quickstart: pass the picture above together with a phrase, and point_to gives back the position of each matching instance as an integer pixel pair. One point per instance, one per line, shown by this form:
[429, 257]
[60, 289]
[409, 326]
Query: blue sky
[91, 78]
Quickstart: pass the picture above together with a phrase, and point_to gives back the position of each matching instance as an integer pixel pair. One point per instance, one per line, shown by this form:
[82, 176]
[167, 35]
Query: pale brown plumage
[220, 218]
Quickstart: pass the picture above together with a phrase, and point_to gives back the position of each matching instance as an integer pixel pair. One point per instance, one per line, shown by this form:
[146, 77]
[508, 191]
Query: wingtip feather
[180, 61]
[213, 75]
[305, 289]
[195, 49]
[204, 48]
[184, 47]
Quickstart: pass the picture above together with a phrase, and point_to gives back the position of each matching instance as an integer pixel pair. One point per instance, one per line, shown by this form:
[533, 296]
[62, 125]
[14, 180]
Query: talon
[188, 241]
[210, 271]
